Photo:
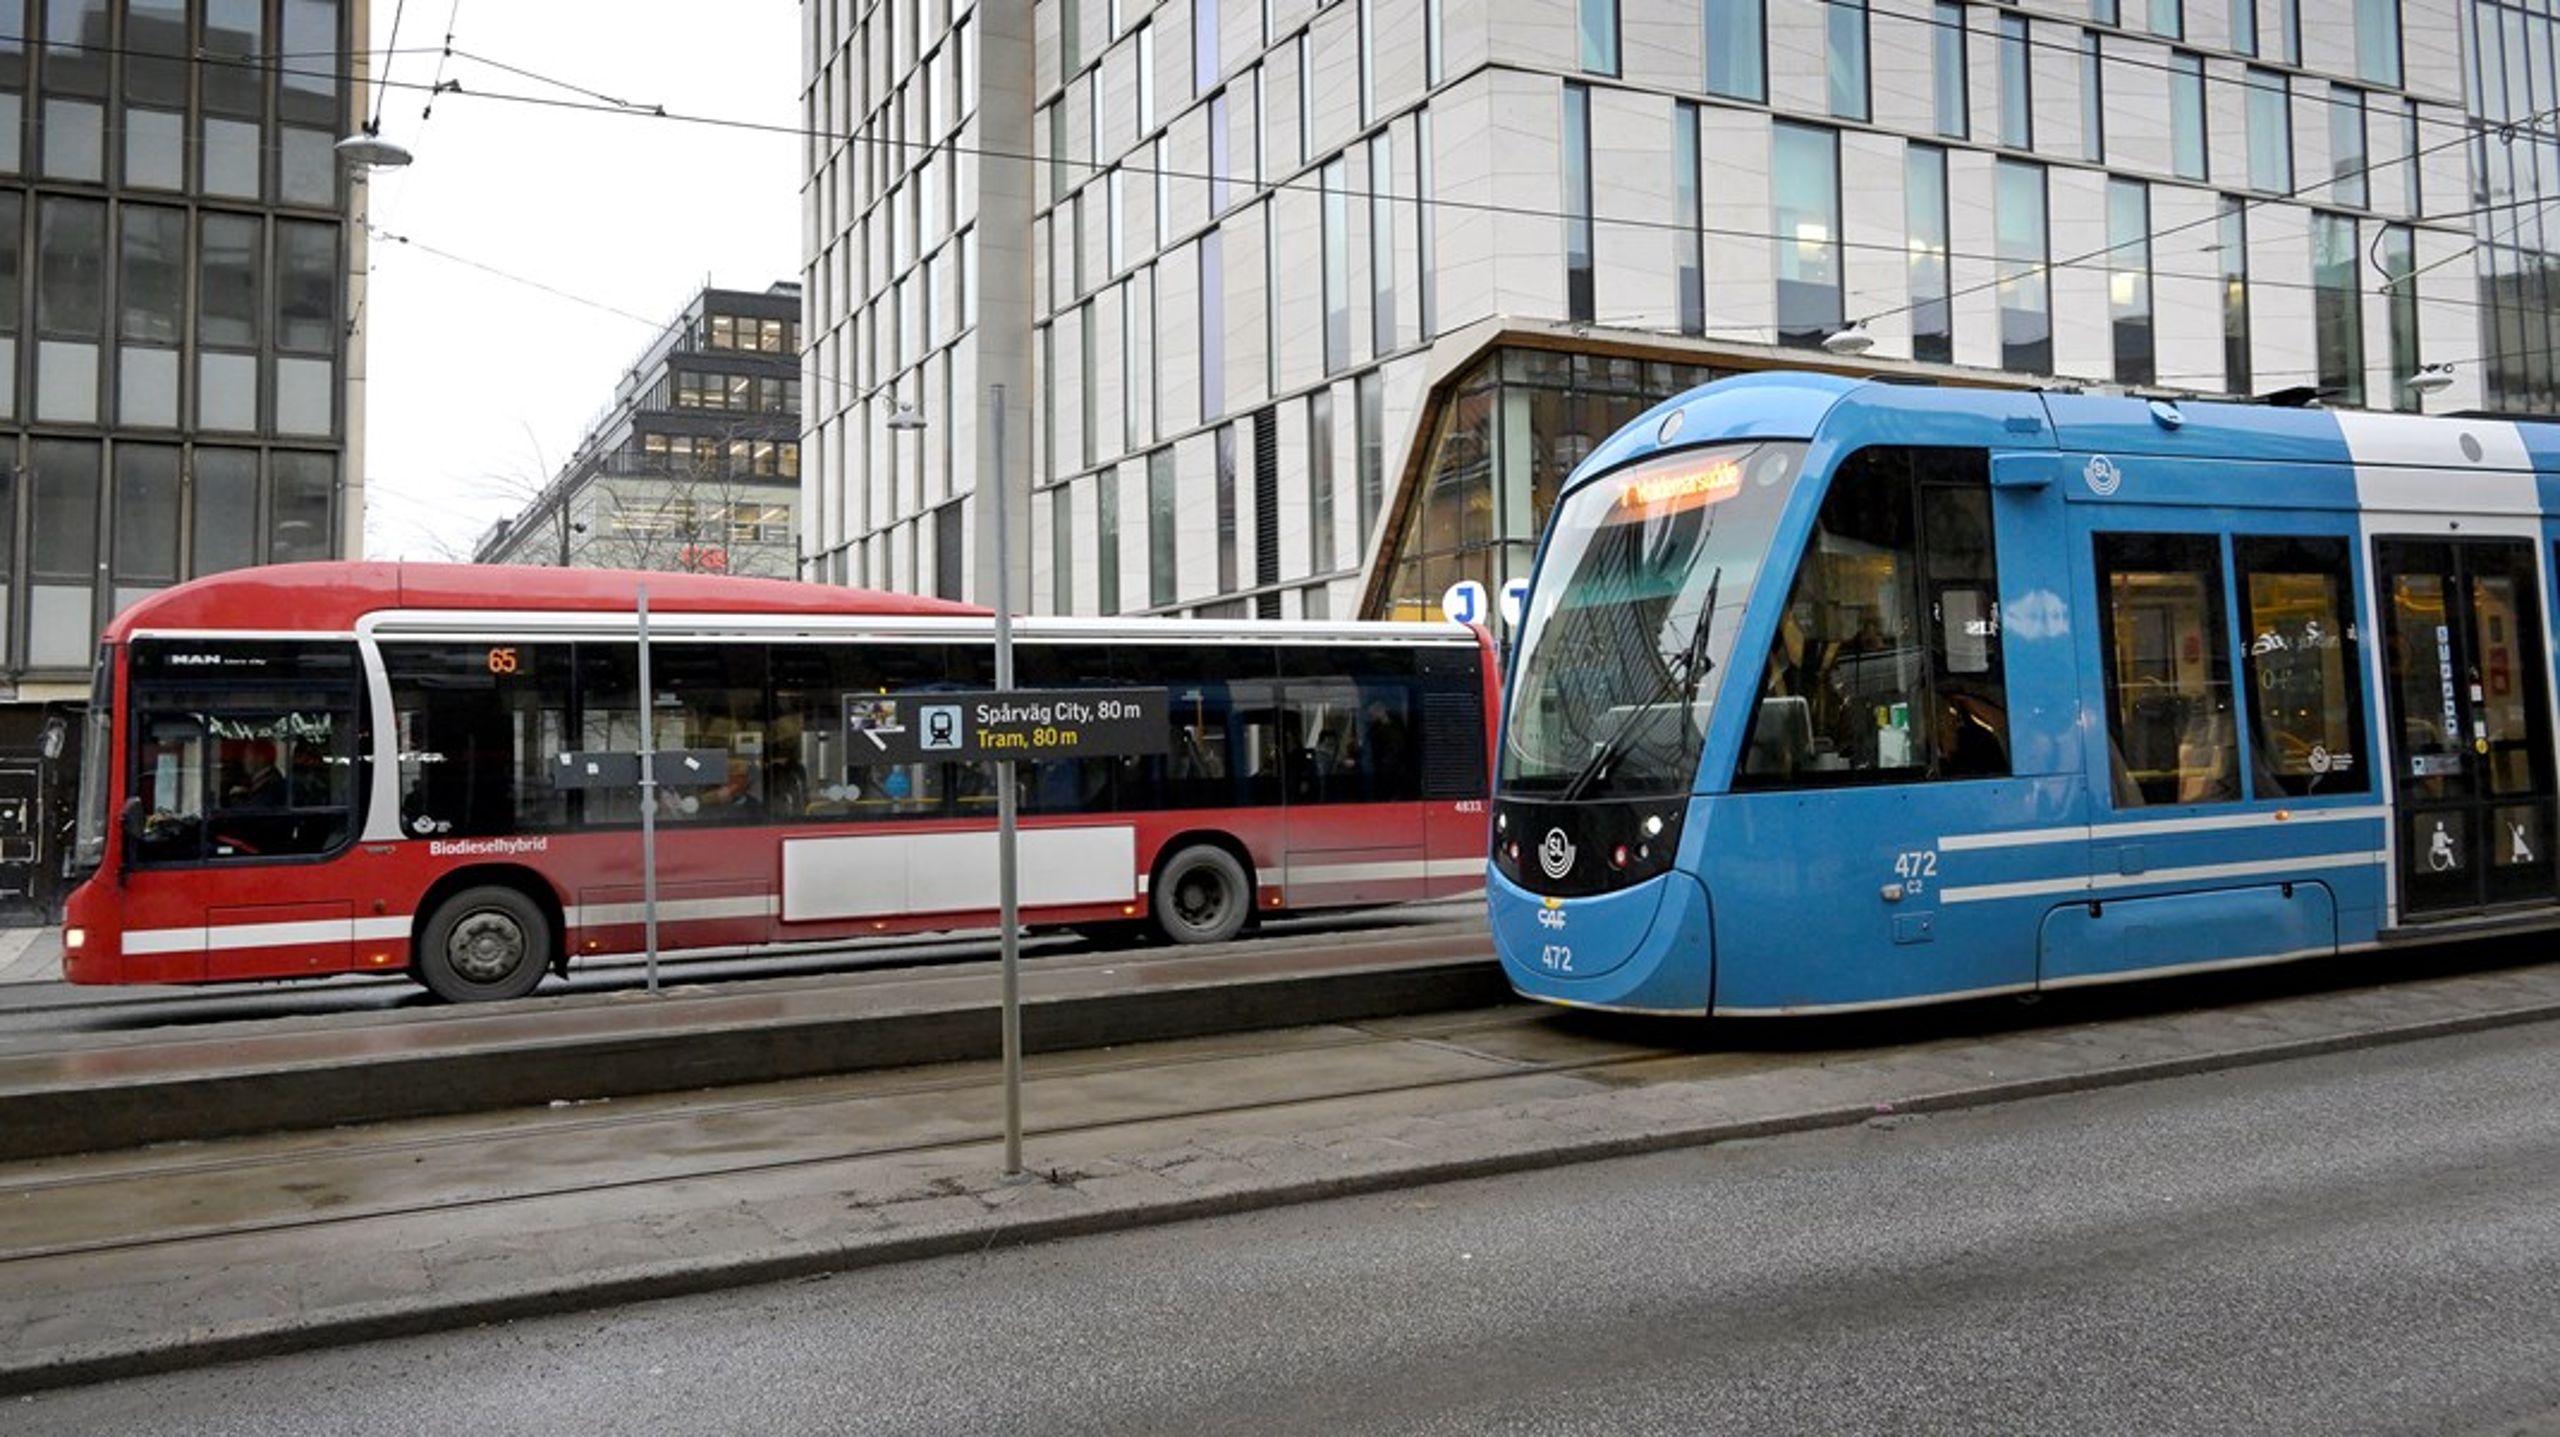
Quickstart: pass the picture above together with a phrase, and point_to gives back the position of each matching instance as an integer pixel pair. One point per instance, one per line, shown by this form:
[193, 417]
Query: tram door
[2466, 675]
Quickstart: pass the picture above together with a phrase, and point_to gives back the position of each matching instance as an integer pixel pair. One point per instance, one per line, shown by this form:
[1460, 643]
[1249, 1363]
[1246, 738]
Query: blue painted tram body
[1834, 695]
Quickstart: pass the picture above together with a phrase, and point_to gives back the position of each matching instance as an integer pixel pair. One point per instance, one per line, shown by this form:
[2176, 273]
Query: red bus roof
[330, 598]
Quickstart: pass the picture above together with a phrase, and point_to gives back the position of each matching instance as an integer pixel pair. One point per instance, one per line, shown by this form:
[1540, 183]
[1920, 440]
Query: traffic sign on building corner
[1464, 603]
[1515, 602]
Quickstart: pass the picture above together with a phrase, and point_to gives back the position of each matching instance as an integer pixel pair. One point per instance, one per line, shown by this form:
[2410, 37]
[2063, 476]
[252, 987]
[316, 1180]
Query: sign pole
[1007, 899]
[648, 802]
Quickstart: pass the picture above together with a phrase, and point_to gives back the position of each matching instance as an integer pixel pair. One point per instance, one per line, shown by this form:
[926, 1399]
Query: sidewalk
[30, 955]
[101, 1282]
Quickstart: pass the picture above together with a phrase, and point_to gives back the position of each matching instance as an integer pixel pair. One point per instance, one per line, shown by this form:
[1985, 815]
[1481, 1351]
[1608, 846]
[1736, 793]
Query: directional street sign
[929, 726]
[1464, 602]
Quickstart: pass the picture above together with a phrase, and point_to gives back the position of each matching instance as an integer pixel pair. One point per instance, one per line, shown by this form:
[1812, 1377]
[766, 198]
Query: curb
[691, 1277]
[368, 1086]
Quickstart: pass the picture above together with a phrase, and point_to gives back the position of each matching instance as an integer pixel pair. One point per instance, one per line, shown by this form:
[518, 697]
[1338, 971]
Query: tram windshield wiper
[1681, 674]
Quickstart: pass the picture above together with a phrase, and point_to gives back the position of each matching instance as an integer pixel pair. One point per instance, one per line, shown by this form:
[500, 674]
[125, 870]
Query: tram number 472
[1915, 867]
[1557, 957]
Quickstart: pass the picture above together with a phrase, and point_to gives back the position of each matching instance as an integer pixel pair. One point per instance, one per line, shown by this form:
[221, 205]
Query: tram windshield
[1624, 647]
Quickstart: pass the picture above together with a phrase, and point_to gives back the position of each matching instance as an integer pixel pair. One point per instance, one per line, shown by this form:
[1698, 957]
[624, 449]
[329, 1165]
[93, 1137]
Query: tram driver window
[1887, 663]
[2171, 734]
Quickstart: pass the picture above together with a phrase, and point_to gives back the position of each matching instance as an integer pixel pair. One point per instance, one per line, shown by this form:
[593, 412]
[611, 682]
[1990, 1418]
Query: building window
[2378, 43]
[2412, 173]
[1106, 540]
[2397, 253]
[1115, 203]
[1846, 21]
[1306, 101]
[1427, 270]
[1320, 478]
[1337, 267]
[1579, 300]
[1382, 245]
[1161, 578]
[1689, 246]
[1146, 80]
[1204, 46]
[2337, 307]
[2169, 19]
[153, 310]
[1062, 550]
[2289, 26]
[2129, 280]
[2186, 115]
[2270, 131]
[1805, 163]
[1925, 199]
[71, 262]
[2093, 100]
[1946, 47]
[1367, 49]
[2017, 99]
[2347, 164]
[1369, 421]
[2105, 12]
[1599, 29]
[1737, 50]
[302, 500]
[1432, 61]
[144, 530]
[1224, 443]
[226, 510]
[2026, 308]
[1089, 383]
[2244, 27]
[1220, 169]
[1212, 326]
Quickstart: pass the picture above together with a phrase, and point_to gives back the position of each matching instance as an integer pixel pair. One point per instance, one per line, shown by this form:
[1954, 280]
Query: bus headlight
[74, 939]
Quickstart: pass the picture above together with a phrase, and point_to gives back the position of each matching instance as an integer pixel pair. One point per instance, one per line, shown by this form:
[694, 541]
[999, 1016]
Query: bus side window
[480, 728]
[2171, 733]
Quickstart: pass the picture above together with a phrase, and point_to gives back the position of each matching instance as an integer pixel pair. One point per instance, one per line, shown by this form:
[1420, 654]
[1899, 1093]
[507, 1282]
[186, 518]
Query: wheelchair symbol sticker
[941, 728]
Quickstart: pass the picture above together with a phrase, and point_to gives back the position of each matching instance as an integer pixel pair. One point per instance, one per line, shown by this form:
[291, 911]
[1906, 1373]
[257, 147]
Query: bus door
[1356, 830]
[2464, 666]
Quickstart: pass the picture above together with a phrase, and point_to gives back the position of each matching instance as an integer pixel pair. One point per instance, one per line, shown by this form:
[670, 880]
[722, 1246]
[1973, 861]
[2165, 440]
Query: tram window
[2306, 695]
[1887, 661]
[480, 727]
[2171, 733]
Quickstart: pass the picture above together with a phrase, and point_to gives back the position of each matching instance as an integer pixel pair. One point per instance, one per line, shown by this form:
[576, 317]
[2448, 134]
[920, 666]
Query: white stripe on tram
[2152, 828]
[2102, 882]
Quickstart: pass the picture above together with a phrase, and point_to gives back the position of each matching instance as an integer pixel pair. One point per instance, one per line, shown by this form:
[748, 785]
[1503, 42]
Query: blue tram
[1836, 695]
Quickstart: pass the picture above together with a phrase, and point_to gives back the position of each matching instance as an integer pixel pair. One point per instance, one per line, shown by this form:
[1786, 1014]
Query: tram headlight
[1653, 825]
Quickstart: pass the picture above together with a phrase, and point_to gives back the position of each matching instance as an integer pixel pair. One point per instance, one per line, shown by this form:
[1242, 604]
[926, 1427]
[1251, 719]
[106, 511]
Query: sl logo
[1555, 855]
[2101, 475]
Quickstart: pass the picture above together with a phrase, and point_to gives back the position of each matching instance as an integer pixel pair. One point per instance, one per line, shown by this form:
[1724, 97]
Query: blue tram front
[1836, 695]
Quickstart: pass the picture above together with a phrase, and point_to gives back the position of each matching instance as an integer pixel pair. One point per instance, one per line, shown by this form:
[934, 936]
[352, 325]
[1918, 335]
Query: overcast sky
[480, 385]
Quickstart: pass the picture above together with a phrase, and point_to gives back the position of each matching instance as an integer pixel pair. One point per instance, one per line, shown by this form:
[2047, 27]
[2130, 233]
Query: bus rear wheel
[1202, 895]
[484, 944]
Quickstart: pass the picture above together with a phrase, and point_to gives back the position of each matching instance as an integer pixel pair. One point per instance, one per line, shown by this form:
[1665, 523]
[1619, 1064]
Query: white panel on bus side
[880, 875]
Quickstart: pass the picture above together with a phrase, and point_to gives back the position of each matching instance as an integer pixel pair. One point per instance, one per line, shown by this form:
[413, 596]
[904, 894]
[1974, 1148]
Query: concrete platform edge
[686, 1277]
[123, 1114]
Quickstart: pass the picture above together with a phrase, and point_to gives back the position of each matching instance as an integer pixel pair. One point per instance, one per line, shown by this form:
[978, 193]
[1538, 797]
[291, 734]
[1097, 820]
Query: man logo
[1555, 856]
[2102, 476]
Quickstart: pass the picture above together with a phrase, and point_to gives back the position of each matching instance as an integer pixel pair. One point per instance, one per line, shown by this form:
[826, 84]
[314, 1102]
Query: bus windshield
[1627, 636]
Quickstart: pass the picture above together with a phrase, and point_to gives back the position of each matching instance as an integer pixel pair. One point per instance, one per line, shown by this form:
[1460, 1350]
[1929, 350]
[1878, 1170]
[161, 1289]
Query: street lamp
[367, 147]
[1852, 339]
[2430, 379]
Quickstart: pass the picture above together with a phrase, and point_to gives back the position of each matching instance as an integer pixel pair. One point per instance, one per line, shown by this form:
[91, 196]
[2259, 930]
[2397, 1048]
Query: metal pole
[648, 802]
[1007, 907]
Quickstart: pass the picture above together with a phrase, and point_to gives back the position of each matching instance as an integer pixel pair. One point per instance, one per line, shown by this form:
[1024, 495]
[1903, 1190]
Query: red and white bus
[328, 768]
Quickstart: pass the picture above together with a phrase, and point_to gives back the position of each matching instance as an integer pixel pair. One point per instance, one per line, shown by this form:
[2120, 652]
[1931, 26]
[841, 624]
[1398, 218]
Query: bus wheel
[1202, 896]
[484, 943]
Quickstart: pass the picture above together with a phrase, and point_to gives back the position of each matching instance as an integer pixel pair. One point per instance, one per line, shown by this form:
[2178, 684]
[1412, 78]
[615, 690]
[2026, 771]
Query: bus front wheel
[1202, 896]
[484, 944]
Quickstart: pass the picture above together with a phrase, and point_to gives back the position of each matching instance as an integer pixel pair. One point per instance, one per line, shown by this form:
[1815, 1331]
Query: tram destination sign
[923, 726]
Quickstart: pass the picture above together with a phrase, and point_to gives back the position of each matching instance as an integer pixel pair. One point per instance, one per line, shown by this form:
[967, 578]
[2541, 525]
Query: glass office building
[1306, 308]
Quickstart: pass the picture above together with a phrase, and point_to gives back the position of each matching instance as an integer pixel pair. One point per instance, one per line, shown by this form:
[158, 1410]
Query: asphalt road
[2361, 1243]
